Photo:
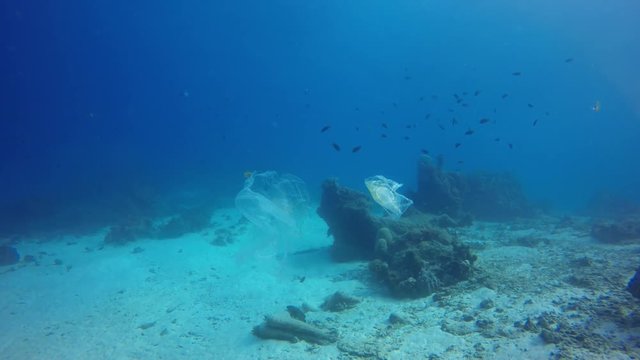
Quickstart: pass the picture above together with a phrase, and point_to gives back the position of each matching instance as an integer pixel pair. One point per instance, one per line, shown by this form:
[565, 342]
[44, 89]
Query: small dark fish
[336, 146]
[456, 96]
[484, 120]
[450, 110]
[384, 136]
[424, 151]
[408, 126]
[357, 128]
[356, 149]
[546, 113]
[477, 93]
[517, 73]
[426, 117]
[469, 132]
[295, 312]
[460, 162]
[454, 121]
[535, 122]
[395, 104]
[384, 125]
[510, 146]
[302, 278]
[421, 98]
[530, 105]
[464, 93]
[457, 145]
[504, 96]
[406, 138]
[441, 127]
[325, 128]
[568, 60]
[464, 104]
[357, 109]
[496, 139]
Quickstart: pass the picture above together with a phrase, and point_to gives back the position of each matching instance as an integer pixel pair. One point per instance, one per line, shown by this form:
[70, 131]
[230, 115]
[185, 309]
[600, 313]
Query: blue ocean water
[104, 96]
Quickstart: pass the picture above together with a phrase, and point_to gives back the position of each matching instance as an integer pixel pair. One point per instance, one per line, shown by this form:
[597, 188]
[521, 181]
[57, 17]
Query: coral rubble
[282, 326]
[623, 230]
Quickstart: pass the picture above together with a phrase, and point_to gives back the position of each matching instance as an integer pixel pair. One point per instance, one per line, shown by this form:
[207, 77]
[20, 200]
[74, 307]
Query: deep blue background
[104, 99]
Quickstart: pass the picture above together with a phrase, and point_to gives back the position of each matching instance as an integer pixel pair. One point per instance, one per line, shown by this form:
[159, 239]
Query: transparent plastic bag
[384, 192]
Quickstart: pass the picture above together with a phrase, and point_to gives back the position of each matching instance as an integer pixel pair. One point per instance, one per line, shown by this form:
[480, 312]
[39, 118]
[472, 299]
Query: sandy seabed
[542, 289]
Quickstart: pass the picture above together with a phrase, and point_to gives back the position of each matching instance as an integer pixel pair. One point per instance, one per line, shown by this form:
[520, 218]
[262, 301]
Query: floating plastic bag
[383, 191]
[276, 204]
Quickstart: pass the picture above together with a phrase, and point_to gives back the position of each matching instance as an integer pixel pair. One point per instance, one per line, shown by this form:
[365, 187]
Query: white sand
[201, 301]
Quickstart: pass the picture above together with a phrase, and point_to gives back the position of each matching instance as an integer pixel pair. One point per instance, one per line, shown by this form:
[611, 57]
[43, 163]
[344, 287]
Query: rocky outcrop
[412, 255]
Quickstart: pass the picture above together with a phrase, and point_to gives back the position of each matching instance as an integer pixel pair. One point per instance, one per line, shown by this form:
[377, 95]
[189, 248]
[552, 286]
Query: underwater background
[103, 99]
[117, 111]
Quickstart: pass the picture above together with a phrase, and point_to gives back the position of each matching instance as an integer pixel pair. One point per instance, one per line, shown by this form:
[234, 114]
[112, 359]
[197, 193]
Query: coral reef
[495, 197]
[346, 212]
[339, 301]
[418, 258]
[438, 191]
[624, 230]
[485, 196]
[412, 255]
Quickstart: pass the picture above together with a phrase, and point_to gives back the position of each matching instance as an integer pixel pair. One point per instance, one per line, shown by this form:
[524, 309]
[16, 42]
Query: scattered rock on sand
[8, 255]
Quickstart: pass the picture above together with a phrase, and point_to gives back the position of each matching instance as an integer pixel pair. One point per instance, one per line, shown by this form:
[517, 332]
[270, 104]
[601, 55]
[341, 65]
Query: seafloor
[541, 289]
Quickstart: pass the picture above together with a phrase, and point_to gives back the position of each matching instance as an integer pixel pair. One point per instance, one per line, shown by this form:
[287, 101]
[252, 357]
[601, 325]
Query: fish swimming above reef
[510, 146]
[325, 128]
[469, 132]
[426, 117]
[568, 60]
[424, 151]
[484, 120]
[356, 149]
[596, 106]
[476, 93]
[517, 73]
[457, 145]
[530, 105]
[336, 147]
[384, 125]
[535, 122]
[504, 96]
